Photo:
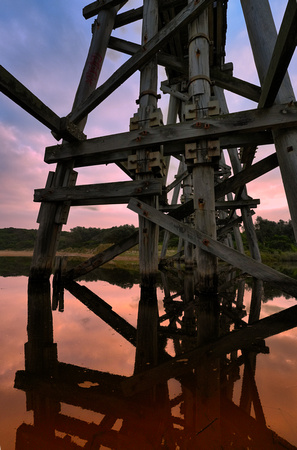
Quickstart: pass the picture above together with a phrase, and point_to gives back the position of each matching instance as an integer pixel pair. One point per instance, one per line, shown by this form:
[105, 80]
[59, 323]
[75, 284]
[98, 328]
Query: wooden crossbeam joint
[22, 96]
[70, 131]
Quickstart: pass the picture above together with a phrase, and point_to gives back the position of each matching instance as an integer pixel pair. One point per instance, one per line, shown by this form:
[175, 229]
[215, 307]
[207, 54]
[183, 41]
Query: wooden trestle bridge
[209, 198]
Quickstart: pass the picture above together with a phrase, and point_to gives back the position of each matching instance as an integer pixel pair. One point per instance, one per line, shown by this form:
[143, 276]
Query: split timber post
[52, 216]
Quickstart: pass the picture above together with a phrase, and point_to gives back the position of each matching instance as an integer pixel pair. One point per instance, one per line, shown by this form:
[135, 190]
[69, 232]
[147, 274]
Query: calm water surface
[87, 409]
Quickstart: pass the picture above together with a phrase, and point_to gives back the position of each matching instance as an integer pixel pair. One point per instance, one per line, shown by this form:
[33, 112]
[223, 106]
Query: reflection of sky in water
[83, 339]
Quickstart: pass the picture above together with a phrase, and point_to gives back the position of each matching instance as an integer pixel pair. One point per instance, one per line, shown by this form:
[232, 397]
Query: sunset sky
[44, 45]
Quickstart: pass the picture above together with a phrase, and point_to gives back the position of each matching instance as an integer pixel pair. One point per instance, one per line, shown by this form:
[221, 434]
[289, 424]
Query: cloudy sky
[44, 45]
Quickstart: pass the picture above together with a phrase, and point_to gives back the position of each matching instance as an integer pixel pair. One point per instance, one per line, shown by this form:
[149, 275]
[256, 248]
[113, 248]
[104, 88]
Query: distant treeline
[277, 236]
[76, 238]
[271, 235]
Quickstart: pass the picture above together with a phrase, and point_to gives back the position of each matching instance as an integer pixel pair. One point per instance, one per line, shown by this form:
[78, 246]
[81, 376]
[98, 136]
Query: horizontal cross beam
[226, 127]
[226, 81]
[105, 193]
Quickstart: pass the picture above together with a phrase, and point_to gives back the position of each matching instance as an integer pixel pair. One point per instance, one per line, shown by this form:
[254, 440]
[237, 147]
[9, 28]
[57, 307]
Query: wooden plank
[183, 18]
[163, 59]
[173, 148]
[196, 237]
[94, 8]
[177, 181]
[23, 97]
[102, 310]
[226, 81]
[245, 176]
[107, 192]
[282, 54]
[252, 121]
[128, 17]
[238, 339]
[237, 204]
[17, 92]
[103, 257]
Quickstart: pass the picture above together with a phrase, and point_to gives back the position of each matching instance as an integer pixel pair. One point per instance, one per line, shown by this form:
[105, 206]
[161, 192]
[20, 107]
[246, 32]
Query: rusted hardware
[200, 203]
[205, 242]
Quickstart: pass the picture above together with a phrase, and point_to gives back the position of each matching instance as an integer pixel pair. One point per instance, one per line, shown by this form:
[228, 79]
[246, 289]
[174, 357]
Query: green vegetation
[274, 238]
[77, 239]
[277, 236]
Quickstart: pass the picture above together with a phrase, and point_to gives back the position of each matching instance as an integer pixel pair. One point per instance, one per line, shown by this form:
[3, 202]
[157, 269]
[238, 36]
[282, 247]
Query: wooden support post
[147, 322]
[263, 39]
[203, 169]
[52, 216]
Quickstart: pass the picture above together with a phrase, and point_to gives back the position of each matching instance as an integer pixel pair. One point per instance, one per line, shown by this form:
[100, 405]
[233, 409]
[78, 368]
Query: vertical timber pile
[147, 323]
[207, 394]
[203, 168]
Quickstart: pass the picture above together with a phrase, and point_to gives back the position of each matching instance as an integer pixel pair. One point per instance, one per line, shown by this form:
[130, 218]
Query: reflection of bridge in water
[182, 401]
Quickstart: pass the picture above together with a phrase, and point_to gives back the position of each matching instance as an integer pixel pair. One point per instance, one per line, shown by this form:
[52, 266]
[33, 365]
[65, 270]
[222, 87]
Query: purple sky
[44, 45]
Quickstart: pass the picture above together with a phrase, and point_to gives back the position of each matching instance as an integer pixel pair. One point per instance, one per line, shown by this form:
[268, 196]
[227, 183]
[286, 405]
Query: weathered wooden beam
[263, 39]
[219, 204]
[237, 204]
[211, 128]
[94, 8]
[118, 192]
[245, 176]
[224, 229]
[102, 310]
[102, 257]
[23, 97]
[128, 17]
[177, 181]
[183, 18]
[226, 81]
[238, 339]
[130, 48]
[246, 264]
[282, 54]
[172, 148]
